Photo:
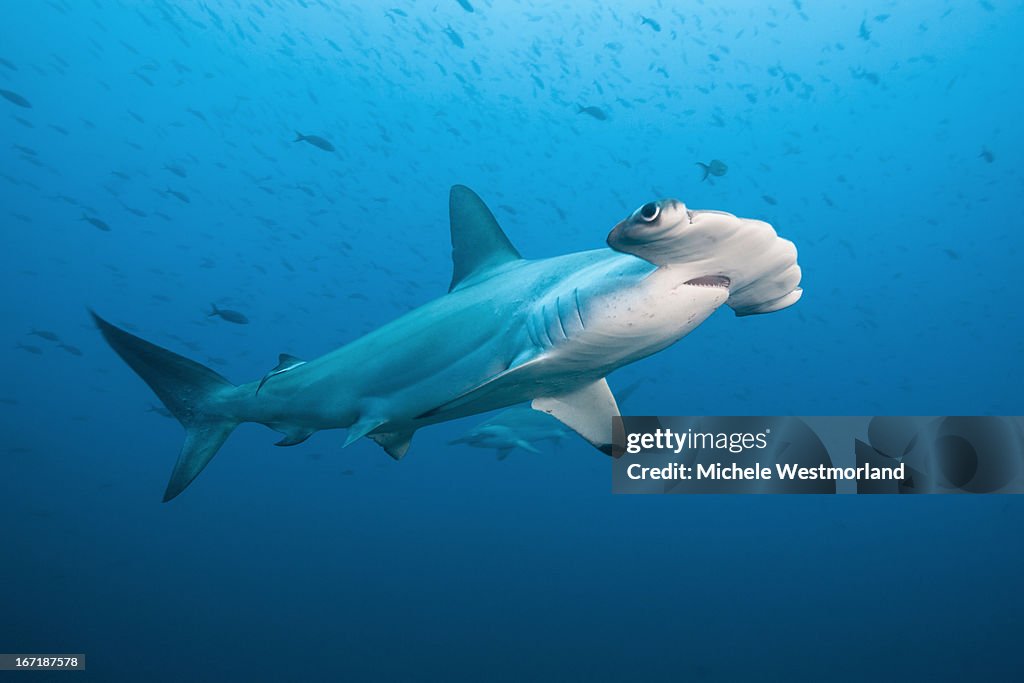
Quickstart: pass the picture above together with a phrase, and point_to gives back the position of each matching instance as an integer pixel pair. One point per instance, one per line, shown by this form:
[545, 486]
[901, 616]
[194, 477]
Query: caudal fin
[192, 392]
[299, 137]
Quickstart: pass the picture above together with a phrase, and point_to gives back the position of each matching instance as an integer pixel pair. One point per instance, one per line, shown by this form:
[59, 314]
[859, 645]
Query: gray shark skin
[509, 330]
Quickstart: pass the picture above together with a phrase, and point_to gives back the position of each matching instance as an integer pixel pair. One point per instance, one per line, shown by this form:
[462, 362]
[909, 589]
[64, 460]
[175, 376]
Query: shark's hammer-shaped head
[718, 249]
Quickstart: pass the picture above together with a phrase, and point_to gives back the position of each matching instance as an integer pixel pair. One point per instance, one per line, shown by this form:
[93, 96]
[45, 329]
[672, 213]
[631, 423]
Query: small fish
[15, 98]
[987, 155]
[715, 168]
[454, 37]
[180, 196]
[96, 223]
[45, 334]
[176, 170]
[595, 112]
[865, 32]
[229, 315]
[464, 4]
[159, 410]
[314, 140]
[73, 350]
[769, 199]
[650, 22]
[30, 348]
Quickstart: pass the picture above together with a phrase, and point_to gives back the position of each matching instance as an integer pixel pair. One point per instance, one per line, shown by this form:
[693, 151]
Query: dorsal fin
[478, 242]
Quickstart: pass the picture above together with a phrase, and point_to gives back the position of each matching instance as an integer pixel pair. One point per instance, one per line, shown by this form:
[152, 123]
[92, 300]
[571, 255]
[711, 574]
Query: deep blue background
[883, 138]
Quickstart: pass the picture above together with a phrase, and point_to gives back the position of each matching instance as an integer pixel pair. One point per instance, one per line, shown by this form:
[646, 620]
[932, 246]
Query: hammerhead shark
[509, 330]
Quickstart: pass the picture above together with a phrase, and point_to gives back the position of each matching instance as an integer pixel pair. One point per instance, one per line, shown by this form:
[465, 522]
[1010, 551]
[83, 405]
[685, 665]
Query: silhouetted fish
[865, 32]
[229, 315]
[314, 140]
[159, 410]
[45, 334]
[650, 22]
[96, 223]
[454, 37]
[180, 196]
[464, 4]
[716, 168]
[73, 350]
[176, 170]
[15, 98]
[596, 112]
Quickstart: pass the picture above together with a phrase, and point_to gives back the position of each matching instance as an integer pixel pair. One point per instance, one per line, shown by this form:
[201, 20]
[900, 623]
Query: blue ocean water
[155, 171]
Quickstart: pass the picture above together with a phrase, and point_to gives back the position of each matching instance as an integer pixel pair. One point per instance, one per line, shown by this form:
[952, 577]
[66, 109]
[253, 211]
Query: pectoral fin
[588, 411]
[512, 373]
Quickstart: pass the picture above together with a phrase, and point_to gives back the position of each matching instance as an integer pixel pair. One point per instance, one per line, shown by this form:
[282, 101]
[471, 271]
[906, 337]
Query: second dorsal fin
[285, 362]
[478, 242]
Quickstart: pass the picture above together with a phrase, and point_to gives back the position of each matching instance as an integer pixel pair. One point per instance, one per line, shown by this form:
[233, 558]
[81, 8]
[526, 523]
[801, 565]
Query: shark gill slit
[579, 310]
[558, 317]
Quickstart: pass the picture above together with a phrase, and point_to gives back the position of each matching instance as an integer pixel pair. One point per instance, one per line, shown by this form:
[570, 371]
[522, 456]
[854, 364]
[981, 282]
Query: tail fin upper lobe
[192, 392]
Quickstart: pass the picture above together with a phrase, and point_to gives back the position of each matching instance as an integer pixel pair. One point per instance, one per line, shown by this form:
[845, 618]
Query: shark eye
[649, 212]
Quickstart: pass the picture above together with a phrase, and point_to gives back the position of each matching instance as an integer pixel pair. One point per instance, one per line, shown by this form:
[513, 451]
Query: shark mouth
[710, 281]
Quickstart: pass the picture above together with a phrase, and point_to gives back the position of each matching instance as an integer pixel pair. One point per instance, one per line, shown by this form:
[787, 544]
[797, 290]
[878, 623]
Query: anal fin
[588, 411]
